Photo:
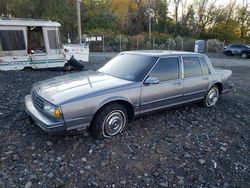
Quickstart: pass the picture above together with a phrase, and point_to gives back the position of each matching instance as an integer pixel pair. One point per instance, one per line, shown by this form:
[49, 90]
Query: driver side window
[166, 69]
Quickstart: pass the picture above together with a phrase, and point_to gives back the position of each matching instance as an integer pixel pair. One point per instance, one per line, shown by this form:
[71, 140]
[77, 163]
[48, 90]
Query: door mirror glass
[151, 80]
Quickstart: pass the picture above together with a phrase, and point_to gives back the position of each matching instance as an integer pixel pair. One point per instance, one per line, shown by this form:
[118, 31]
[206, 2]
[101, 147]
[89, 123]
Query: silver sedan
[130, 84]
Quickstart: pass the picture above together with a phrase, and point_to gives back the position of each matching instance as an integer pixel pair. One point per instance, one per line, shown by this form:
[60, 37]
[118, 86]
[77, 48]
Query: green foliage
[202, 19]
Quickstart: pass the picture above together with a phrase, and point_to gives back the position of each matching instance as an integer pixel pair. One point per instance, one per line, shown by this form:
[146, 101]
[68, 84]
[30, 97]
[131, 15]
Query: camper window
[52, 39]
[36, 40]
[12, 40]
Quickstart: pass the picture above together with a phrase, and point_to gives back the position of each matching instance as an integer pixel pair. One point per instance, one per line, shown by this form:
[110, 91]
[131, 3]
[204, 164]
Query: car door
[236, 49]
[168, 91]
[195, 81]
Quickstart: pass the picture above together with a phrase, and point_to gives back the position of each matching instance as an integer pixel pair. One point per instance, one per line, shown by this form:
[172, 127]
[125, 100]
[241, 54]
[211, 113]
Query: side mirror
[151, 80]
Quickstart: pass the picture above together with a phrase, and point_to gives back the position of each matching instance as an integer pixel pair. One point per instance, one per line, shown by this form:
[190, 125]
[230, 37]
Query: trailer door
[37, 48]
[54, 47]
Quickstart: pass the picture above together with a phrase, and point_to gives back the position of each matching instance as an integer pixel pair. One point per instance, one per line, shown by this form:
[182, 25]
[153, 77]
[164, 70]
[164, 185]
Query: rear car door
[168, 91]
[196, 78]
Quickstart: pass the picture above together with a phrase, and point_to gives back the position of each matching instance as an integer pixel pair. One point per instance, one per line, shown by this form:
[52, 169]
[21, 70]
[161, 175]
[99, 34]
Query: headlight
[53, 111]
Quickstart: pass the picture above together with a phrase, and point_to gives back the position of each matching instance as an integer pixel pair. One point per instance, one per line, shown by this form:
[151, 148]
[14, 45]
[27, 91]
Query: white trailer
[30, 43]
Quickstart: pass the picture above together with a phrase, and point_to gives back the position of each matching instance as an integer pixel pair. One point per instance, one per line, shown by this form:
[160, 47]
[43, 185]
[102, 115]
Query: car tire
[109, 121]
[211, 97]
[244, 55]
[67, 67]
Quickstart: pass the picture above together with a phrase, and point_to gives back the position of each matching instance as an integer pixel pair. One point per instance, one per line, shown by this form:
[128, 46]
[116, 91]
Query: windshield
[131, 67]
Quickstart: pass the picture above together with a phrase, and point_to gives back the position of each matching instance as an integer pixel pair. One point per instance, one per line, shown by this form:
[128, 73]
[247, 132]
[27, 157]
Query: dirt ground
[189, 146]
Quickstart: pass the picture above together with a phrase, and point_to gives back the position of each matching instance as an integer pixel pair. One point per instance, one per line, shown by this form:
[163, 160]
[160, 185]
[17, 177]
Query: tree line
[200, 19]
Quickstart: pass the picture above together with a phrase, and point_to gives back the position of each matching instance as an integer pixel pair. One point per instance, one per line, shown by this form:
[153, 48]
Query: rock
[16, 157]
[237, 116]
[61, 169]
[202, 161]
[158, 151]
[81, 171]
[84, 160]
[88, 167]
[187, 147]
[187, 155]
[172, 172]
[225, 185]
[123, 182]
[8, 152]
[180, 180]
[223, 148]
[91, 151]
[134, 158]
[156, 174]
[50, 175]
[94, 184]
[59, 158]
[163, 184]
[49, 143]
[32, 148]
[59, 182]
[103, 163]
[28, 184]
[33, 176]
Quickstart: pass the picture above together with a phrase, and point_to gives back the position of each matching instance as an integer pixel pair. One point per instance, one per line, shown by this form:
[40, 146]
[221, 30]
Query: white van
[30, 43]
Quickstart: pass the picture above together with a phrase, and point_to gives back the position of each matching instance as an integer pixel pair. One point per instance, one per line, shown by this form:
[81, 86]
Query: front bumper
[48, 125]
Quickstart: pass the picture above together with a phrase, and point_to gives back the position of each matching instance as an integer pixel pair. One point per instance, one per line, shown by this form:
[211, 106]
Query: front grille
[37, 101]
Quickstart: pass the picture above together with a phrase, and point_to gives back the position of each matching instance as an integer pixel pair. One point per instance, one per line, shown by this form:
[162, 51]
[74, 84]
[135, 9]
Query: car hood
[62, 89]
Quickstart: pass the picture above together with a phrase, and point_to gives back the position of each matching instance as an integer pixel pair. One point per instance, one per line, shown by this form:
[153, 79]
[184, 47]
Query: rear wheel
[244, 55]
[212, 97]
[109, 121]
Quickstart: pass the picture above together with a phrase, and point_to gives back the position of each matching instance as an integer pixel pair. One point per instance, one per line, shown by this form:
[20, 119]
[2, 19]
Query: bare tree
[205, 14]
[244, 19]
[230, 10]
[176, 5]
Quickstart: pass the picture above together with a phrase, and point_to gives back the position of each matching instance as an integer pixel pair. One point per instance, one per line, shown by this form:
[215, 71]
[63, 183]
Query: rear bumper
[48, 125]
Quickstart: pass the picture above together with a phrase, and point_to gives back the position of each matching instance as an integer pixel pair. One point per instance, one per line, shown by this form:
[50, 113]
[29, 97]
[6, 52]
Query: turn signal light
[57, 113]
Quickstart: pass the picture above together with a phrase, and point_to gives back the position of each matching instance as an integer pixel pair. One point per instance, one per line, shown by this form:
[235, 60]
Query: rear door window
[12, 40]
[192, 67]
[204, 66]
[166, 69]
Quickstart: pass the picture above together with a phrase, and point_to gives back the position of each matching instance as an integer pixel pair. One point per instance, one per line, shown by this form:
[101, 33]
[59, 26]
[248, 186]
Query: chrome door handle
[205, 78]
[177, 83]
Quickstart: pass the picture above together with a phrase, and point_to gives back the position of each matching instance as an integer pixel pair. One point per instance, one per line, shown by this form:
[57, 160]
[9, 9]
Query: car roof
[159, 53]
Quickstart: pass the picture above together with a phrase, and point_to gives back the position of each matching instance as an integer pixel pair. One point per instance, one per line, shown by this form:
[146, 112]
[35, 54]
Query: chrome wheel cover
[212, 97]
[114, 123]
[244, 55]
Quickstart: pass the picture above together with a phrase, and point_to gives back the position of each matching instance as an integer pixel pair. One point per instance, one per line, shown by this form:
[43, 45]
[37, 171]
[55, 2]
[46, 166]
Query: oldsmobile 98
[130, 84]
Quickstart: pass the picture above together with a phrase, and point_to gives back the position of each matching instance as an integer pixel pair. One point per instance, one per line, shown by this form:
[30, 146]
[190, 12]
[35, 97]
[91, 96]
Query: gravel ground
[190, 146]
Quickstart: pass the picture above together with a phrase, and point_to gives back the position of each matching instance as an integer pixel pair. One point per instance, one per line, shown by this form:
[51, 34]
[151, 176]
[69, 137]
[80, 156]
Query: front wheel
[109, 121]
[212, 97]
